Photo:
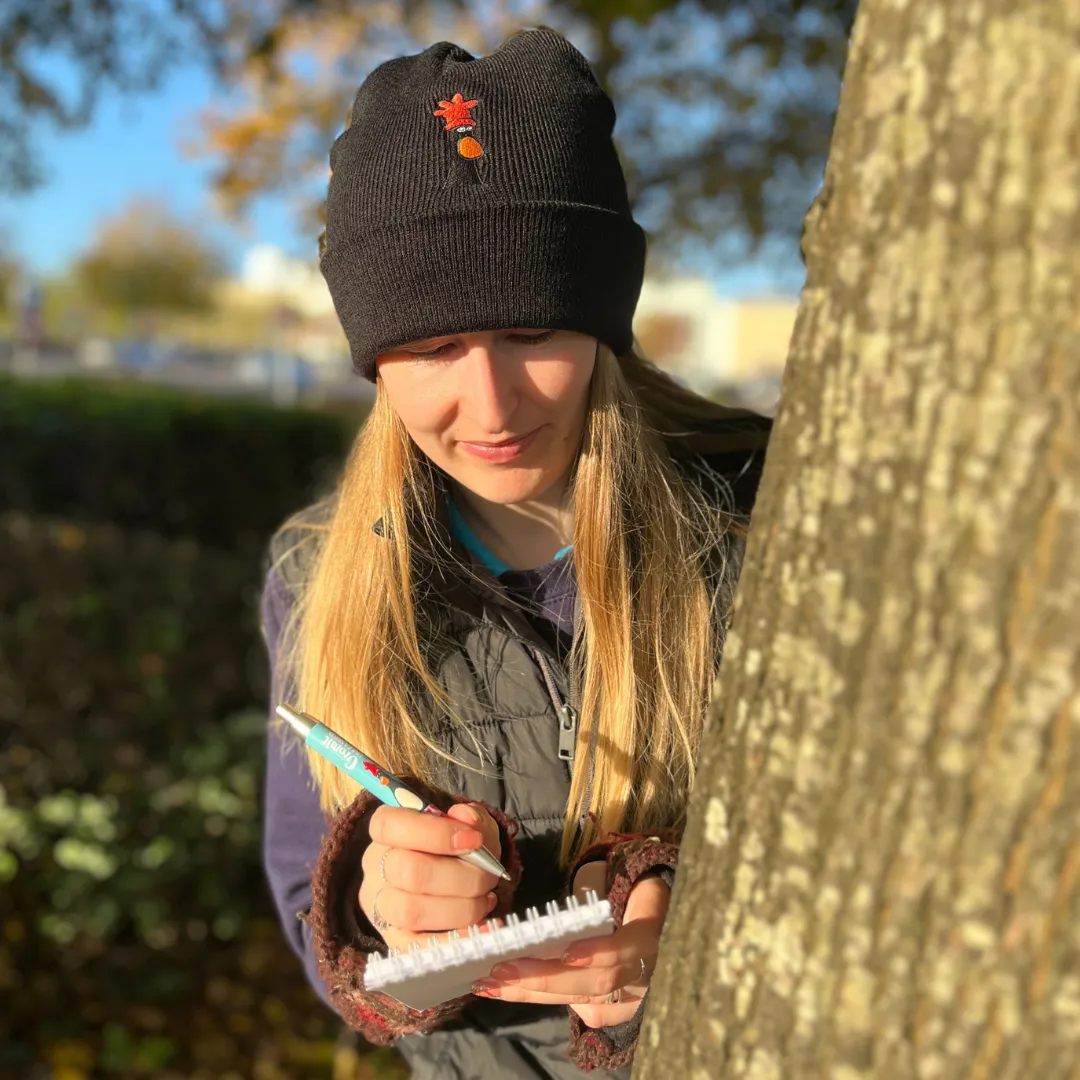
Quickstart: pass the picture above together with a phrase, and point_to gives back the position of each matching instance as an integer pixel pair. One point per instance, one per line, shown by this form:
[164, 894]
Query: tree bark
[880, 876]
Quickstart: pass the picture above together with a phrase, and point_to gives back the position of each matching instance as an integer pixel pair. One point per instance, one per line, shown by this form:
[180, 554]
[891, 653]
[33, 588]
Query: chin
[505, 486]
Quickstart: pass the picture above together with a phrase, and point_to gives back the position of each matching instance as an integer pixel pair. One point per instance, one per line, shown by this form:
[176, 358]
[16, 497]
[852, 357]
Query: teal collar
[461, 531]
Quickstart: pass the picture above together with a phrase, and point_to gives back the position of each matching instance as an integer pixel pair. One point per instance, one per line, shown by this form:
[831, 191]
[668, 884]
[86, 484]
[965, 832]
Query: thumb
[479, 818]
[648, 899]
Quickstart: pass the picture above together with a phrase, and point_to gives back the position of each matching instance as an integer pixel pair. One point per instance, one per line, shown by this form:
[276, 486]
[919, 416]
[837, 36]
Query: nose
[488, 395]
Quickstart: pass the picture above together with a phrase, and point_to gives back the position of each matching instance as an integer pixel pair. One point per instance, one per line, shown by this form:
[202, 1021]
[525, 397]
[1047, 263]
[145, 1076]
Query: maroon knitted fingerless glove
[343, 939]
[629, 859]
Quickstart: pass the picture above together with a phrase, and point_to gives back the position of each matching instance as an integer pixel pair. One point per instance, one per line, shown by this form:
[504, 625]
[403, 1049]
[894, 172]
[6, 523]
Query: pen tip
[505, 876]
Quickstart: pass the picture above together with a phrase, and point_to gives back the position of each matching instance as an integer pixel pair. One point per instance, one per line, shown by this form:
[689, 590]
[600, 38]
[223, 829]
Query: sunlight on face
[455, 393]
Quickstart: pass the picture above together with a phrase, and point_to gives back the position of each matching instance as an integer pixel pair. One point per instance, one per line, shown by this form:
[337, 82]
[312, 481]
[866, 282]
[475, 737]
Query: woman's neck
[523, 535]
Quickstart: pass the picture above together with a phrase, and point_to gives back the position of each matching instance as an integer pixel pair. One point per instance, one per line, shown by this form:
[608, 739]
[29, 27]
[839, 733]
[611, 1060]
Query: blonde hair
[655, 576]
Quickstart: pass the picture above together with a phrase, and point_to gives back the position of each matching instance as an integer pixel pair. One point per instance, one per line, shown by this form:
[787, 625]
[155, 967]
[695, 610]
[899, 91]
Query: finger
[398, 827]
[486, 989]
[639, 935]
[591, 876]
[605, 1015]
[630, 943]
[435, 875]
[420, 913]
[648, 899]
[551, 977]
[371, 862]
[476, 816]
[403, 940]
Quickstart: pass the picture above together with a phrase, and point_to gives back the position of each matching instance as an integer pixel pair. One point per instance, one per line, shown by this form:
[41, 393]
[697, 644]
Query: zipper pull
[567, 733]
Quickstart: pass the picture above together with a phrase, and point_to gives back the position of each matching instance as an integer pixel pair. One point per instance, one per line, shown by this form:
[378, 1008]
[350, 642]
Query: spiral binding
[489, 941]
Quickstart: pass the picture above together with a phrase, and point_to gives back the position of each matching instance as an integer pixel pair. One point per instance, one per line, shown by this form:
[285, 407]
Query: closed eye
[533, 339]
[443, 351]
[434, 354]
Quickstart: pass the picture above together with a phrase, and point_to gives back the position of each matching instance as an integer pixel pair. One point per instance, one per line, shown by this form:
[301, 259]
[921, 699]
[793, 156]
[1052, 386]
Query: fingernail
[466, 839]
[492, 901]
[486, 987]
[575, 959]
[506, 973]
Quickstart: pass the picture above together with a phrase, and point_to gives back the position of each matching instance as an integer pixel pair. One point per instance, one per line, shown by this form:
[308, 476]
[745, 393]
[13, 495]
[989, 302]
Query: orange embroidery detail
[470, 148]
[456, 112]
[466, 167]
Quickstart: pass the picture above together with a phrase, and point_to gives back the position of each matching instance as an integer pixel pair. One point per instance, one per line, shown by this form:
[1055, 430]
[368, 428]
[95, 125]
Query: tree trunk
[880, 877]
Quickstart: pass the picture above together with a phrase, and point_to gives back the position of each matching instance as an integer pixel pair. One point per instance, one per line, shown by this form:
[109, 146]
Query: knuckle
[369, 861]
[411, 872]
[377, 824]
[479, 886]
[385, 867]
[471, 882]
[407, 910]
[368, 897]
[480, 909]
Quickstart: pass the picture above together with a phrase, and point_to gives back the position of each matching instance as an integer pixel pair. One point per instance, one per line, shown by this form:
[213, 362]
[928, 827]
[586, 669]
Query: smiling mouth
[505, 442]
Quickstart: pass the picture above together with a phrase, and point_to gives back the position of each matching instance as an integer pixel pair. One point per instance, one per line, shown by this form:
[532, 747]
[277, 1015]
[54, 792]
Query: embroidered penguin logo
[468, 160]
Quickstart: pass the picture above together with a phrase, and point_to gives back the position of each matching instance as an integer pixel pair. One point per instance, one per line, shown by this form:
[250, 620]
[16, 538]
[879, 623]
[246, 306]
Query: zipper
[566, 712]
[567, 735]
[579, 619]
[575, 698]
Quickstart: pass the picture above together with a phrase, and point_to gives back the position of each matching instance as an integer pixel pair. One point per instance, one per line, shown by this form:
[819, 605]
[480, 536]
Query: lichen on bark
[882, 868]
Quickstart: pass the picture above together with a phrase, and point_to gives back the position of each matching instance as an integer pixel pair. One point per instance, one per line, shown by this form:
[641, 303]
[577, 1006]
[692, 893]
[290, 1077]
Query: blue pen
[370, 774]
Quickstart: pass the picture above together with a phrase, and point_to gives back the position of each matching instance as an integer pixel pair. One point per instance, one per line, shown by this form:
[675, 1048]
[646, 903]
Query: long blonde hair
[655, 576]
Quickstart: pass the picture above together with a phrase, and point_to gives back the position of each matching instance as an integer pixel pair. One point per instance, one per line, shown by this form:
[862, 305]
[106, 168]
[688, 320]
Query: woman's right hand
[423, 889]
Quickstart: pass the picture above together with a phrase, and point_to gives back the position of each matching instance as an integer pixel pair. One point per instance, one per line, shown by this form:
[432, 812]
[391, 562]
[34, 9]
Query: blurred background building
[169, 232]
[728, 346]
[272, 330]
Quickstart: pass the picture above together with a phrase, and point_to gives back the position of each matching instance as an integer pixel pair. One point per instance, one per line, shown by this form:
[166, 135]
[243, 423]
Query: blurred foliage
[129, 44]
[145, 260]
[137, 935]
[223, 472]
[9, 278]
[9, 275]
[725, 106]
[725, 109]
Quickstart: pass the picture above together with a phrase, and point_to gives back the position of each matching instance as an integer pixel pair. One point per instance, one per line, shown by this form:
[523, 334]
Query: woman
[518, 593]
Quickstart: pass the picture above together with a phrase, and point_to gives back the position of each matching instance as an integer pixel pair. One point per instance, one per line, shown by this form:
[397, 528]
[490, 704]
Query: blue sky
[132, 149]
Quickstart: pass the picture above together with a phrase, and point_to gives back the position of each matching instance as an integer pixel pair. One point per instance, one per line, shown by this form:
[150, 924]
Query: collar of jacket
[735, 449]
[478, 592]
[743, 444]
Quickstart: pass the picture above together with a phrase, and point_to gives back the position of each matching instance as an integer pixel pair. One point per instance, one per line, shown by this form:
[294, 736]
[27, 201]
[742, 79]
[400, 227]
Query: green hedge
[223, 471]
[137, 935]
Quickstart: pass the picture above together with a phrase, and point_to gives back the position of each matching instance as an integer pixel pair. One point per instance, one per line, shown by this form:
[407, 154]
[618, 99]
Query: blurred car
[285, 371]
[136, 354]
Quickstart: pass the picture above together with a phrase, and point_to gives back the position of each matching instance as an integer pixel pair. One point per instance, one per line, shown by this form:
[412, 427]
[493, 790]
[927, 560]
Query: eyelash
[522, 339]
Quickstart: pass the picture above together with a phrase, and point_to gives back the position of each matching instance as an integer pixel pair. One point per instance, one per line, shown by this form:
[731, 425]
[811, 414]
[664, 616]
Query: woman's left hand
[592, 968]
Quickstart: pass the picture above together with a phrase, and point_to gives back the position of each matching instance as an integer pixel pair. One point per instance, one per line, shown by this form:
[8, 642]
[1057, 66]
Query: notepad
[424, 977]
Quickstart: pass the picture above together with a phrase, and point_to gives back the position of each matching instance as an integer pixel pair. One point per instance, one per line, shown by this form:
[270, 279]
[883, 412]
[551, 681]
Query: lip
[504, 451]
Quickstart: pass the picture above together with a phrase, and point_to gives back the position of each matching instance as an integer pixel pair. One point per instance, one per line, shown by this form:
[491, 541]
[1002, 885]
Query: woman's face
[462, 396]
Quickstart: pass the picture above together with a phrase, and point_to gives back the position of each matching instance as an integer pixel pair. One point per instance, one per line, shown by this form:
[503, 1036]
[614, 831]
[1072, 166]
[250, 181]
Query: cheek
[423, 413]
[565, 388]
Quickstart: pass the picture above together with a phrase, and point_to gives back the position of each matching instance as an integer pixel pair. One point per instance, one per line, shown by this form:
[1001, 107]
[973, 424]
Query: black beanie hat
[480, 194]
